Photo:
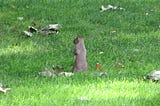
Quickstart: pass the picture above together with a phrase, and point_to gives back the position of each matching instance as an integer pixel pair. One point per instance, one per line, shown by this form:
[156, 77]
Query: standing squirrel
[80, 62]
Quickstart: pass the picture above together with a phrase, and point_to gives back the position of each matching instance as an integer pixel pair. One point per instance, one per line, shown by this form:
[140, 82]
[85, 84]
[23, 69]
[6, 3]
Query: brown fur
[80, 63]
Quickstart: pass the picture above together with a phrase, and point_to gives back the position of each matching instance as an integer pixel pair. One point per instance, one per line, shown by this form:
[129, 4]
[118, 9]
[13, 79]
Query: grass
[135, 44]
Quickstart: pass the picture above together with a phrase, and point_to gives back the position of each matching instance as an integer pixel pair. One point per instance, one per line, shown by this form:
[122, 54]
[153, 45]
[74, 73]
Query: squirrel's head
[77, 40]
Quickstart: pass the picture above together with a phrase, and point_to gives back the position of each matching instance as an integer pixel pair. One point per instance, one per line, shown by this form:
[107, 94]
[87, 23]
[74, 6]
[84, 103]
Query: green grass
[136, 44]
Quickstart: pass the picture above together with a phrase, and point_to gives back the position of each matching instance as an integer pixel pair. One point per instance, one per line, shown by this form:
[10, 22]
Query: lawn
[130, 37]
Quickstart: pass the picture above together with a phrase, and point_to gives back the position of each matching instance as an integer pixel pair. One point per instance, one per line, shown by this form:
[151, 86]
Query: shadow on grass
[24, 68]
[31, 78]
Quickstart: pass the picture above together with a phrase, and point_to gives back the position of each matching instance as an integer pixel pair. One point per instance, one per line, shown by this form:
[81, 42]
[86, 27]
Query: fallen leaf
[83, 98]
[119, 65]
[50, 29]
[136, 50]
[47, 73]
[66, 74]
[101, 52]
[147, 13]
[153, 75]
[110, 7]
[58, 68]
[101, 74]
[98, 66]
[112, 32]
[27, 33]
[3, 89]
[20, 18]
[12, 6]
[32, 29]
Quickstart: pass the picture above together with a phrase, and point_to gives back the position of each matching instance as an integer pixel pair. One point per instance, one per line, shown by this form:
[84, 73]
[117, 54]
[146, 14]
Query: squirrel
[80, 61]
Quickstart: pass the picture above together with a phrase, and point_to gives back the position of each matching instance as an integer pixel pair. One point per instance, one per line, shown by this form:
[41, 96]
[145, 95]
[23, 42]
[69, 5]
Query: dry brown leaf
[98, 66]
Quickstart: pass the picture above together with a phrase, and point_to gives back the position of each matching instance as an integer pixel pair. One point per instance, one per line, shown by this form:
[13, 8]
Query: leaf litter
[153, 75]
[46, 30]
[4, 89]
[110, 8]
[55, 71]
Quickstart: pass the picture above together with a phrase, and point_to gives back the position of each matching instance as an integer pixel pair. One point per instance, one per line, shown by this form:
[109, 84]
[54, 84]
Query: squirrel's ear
[76, 40]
